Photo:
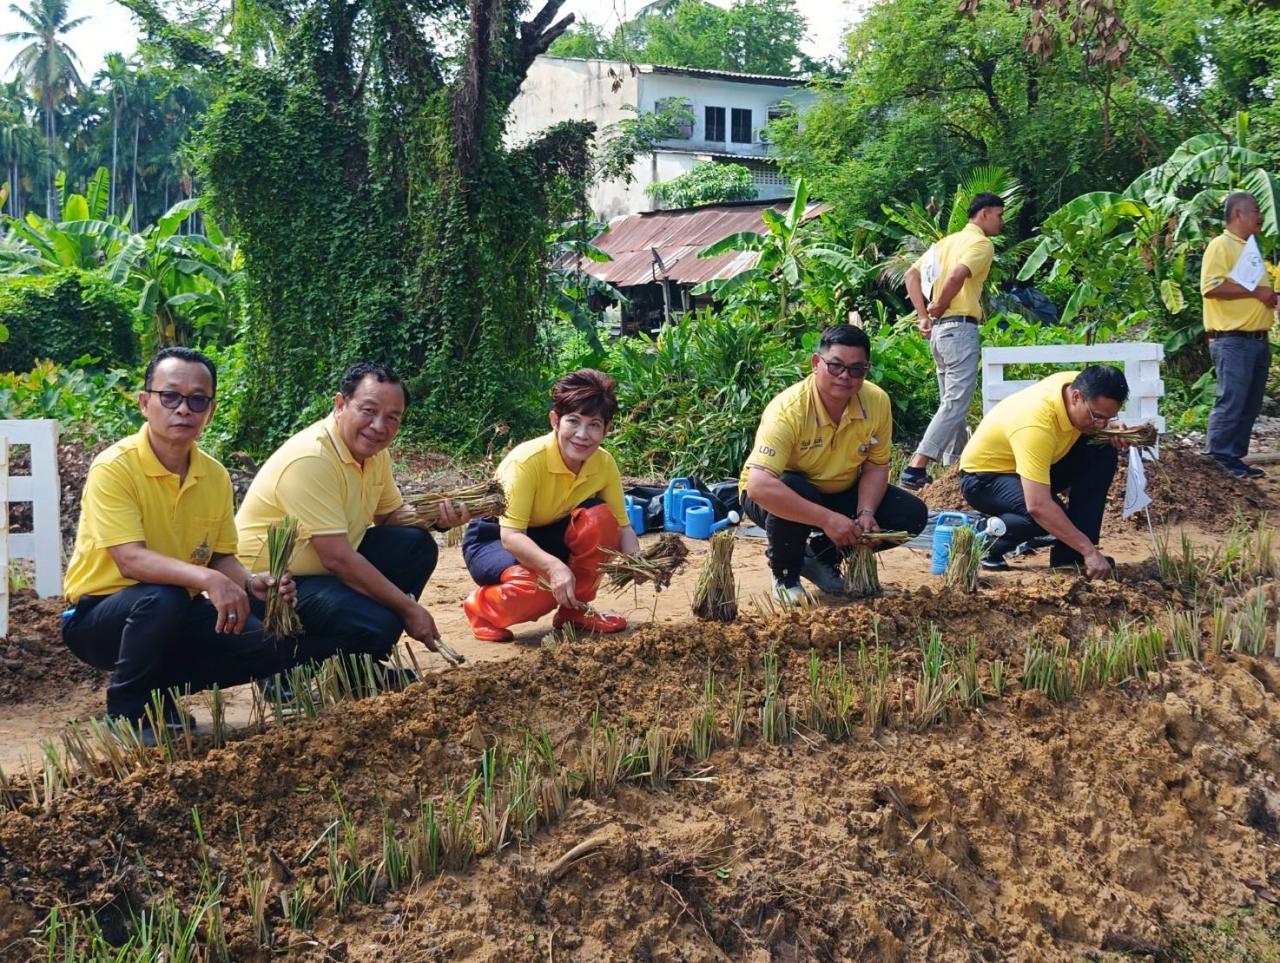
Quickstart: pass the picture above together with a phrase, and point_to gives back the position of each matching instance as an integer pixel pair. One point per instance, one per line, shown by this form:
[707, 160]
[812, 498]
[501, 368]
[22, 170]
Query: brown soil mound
[34, 662]
[1185, 489]
[1025, 830]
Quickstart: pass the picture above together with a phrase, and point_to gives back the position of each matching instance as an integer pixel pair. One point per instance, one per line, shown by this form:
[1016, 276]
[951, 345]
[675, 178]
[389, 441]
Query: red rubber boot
[590, 531]
[517, 598]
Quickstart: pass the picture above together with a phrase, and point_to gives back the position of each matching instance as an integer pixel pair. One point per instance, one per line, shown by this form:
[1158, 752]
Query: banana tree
[790, 256]
[1128, 251]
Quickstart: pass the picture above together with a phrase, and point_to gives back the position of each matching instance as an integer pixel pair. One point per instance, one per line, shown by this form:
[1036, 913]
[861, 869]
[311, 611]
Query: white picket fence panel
[43, 544]
[1141, 362]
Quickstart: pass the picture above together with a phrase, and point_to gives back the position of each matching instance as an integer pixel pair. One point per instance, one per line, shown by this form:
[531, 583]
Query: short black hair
[847, 335]
[1233, 202]
[982, 201]
[1102, 381]
[382, 373]
[182, 354]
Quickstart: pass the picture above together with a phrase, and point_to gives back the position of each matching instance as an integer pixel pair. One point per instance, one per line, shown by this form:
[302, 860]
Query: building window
[715, 123]
[683, 123]
[741, 132]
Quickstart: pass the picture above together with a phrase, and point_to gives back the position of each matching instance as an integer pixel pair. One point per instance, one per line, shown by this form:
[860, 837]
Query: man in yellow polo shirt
[359, 571]
[949, 318]
[820, 462]
[156, 531]
[1237, 322]
[1033, 445]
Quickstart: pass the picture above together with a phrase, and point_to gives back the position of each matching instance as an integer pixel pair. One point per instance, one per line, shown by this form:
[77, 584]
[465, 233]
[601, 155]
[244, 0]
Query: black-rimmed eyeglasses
[837, 369]
[174, 399]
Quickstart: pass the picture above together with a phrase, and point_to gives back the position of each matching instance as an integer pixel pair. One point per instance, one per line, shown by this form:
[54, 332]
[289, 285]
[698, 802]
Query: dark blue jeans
[1240, 367]
[337, 618]
[157, 637]
[1087, 470]
[486, 559]
[899, 511]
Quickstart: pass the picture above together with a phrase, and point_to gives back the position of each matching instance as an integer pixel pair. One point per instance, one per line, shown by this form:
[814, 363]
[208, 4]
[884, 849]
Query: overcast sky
[110, 27]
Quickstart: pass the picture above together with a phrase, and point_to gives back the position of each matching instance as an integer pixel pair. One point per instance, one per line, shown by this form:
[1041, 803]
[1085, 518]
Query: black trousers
[1087, 470]
[157, 637]
[337, 618]
[899, 511]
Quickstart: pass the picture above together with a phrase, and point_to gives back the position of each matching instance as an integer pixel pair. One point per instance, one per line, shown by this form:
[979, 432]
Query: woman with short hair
[564, 507]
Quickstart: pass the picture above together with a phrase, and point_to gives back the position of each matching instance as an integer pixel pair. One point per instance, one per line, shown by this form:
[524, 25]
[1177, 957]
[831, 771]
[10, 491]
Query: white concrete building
[730, 112]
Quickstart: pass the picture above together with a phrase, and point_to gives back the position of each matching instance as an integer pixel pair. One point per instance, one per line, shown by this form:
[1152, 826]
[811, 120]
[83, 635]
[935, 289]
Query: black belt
[1252, 335]
[955, 319]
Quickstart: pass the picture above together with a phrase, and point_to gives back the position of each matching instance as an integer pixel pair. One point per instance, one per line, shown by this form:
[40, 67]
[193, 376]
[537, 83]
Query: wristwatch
[866, 511]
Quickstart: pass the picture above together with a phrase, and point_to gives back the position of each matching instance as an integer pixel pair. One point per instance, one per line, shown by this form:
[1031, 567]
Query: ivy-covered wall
[381, 217]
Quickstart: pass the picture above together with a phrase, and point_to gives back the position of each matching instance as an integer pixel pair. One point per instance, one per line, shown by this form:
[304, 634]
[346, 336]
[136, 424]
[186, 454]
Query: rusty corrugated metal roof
[678, 236]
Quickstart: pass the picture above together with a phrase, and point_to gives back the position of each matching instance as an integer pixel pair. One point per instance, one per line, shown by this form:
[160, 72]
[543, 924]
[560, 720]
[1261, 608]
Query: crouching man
[1033, 446]
[157, 594]
[820, 464]
[360, 571]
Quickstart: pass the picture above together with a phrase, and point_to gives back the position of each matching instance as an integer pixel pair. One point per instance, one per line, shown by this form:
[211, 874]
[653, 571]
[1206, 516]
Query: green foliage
[751, 36]
[90, 405]
[691, 399]
[61, 315]
[631, 138]
[707, 183]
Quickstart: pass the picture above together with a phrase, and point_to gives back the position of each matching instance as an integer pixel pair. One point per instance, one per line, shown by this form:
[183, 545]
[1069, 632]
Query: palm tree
[48, 63]
[118, 78]
[19, 141]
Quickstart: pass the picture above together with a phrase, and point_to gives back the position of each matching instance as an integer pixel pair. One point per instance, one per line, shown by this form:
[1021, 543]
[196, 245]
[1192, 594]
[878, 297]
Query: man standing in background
[957, 267]
[1237, 322]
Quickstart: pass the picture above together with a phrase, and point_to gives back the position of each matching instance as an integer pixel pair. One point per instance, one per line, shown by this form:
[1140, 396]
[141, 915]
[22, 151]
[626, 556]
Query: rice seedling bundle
[964, 564]
[716, 595]
[656, 564]
[860, 569]
[281, 618]
[485, 500]
[1144, 436]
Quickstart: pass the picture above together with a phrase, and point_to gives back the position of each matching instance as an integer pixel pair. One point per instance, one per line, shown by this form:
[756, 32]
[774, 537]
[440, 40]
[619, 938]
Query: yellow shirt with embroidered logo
[130, 497]
[316, 479]
[972, 248]
[797, 434]
[541, 489]
[1235, 314]
[1026, 433]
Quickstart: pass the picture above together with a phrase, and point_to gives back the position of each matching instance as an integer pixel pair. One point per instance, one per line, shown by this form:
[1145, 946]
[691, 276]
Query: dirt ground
[1026, 830]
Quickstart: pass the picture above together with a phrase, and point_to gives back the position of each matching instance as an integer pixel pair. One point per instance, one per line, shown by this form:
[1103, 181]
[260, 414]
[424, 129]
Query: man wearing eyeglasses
[1034, 445]
[360, 571]
[949, 316]
[820, 463]
[157, 594]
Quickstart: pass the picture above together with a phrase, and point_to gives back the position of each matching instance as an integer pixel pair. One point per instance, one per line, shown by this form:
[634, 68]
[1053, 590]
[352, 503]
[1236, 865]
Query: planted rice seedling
[457, 839]
[256, 887]
[716, 595]
[493, 811]
[1219, 626]
[873, 679]
[1184, 569]
[1047, 669]
[1248, 630]
[841, 696]
[1183, 629]
[964, 563]
[483, 500]
[738, 712]
[704, 730]
[298, 907]
[656, 564]
[775, 720]
[815, 712]
[281, 619]
[965, 666]
[658, 753]
[215, 926]
[936, 683]
[999, 677]
[393, 869]
[424, 848]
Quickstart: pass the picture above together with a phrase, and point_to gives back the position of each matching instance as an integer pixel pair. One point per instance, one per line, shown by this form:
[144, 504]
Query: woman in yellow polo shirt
[564, 505]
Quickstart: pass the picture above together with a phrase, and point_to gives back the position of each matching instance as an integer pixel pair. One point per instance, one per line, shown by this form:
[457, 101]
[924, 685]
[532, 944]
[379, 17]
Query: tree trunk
[51, 132]
[133, 189]
[115, 131]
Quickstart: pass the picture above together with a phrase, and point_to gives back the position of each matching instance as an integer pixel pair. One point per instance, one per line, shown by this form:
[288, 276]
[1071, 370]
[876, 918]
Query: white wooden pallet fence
[1141, 362]
[43, 544]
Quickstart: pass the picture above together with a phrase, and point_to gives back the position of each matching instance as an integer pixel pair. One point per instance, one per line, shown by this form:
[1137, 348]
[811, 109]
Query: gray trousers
[956, 351]
[1240, 366]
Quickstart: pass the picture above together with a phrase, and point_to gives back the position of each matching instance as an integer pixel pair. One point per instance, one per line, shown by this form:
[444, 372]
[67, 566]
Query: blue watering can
[946, 525]
[672, 520]
[635, 513]
[699, 520]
